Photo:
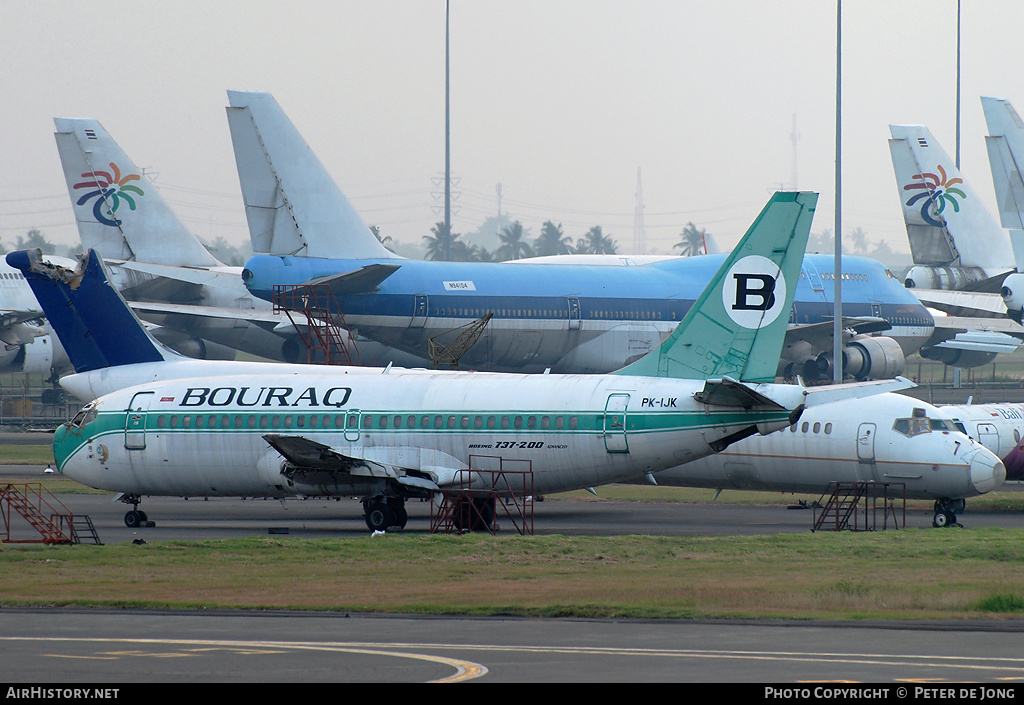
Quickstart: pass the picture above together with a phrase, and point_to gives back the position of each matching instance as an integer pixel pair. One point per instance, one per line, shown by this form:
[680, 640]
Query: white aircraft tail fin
[947, 224]
[1005, 143]
[292, 204]
[119, 211]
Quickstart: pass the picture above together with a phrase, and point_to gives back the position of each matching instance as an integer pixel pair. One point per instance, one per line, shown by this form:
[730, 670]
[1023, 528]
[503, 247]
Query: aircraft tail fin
[737, 326]
[119, 211]
[94, 324]
[1005, 143]
[947, 223]
[292, 204]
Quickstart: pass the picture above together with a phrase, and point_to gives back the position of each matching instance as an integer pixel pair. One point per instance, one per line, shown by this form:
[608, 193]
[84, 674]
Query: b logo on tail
[754, 292]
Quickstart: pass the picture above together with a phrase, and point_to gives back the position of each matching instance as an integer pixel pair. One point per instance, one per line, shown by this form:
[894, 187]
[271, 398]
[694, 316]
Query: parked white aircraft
[1005, 143]
[955, 241]
[999, 427]
[961, 254]
[169, 276]
[889, 438]
[302, 430]
[27, 344]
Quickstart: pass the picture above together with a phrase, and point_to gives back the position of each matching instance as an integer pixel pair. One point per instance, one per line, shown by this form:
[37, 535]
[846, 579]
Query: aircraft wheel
[379, 517]
[397, 507]
[944, 518]
[133, 519]
[485, 508]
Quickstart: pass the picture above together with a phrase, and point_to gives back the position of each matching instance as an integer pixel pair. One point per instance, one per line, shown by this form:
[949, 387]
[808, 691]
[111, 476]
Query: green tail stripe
[737, 326]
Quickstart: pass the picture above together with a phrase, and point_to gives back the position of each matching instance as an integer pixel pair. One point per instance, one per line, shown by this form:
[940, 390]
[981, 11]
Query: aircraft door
[574, 313]
[813, 278]
[135, 421]
[352, 421]
[615, 423]
[988, 436]
[420, 311]
[866, 443]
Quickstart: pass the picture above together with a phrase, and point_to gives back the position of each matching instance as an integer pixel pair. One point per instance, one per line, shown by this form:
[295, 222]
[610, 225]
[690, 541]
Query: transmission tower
[639, 236]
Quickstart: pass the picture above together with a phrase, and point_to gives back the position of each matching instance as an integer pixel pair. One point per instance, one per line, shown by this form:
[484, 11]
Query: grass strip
[910, 574]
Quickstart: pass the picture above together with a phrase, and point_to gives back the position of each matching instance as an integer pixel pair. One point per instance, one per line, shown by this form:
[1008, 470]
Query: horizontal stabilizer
[816, 396]
[962, 303]
[730, 392]
[364, 280]
[257, 316]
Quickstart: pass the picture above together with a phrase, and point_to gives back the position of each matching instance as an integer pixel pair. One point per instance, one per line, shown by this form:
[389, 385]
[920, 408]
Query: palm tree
[382, 239]
[691, 241]
[513, 244]
[552, 241]
[435, 244]
[858, 240]
[596, 242]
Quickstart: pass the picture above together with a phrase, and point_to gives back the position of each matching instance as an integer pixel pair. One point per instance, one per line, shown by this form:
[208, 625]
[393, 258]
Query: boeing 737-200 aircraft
[285, 430]
[553, 315]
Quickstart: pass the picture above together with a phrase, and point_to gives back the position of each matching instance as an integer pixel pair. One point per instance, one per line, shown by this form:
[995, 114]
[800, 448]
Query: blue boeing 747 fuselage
[580, 317]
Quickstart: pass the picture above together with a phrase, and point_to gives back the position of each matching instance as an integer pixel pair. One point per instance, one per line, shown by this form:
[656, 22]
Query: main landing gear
[135, 517]
[383, 513]
[945, 512]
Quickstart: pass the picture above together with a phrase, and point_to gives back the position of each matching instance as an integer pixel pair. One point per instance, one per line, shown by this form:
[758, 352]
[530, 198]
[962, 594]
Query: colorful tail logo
[937, 193]
[110, 191]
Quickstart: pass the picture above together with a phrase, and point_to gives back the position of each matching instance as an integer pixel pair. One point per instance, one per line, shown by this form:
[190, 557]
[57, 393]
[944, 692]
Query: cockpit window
[86, 415]
[912, 427]
[922, 424]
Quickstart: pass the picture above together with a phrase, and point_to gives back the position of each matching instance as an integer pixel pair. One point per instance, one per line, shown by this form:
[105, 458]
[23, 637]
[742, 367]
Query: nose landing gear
[945, 512]
[135, 517]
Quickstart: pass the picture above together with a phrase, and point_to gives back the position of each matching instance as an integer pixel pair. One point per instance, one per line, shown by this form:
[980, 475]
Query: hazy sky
[559, 101]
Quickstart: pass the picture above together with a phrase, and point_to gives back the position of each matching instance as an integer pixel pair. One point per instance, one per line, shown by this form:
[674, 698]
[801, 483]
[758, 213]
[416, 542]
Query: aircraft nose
[987, 471]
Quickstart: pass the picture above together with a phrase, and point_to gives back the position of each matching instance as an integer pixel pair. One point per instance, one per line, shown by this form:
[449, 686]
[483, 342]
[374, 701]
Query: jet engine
[947, 278]
[1013, 295]
[873, 357]
[957, 358]
[189, 346]
[864, 357]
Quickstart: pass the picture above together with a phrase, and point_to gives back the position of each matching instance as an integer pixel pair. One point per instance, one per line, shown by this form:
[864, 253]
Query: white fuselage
[876, 439]
[198, 437]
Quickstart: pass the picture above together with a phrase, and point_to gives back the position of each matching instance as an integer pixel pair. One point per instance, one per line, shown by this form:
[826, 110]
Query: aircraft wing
[309, 455]
[11, 317]
[819, 335]
[364, 280]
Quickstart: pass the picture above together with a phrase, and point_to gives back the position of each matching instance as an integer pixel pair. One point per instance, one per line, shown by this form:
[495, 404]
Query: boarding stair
[490, 488]
[861, 506]
[54, 522]
[323, 329]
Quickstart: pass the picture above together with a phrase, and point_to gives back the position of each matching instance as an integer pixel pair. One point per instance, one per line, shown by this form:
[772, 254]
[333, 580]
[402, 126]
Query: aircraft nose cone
[987, 471]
